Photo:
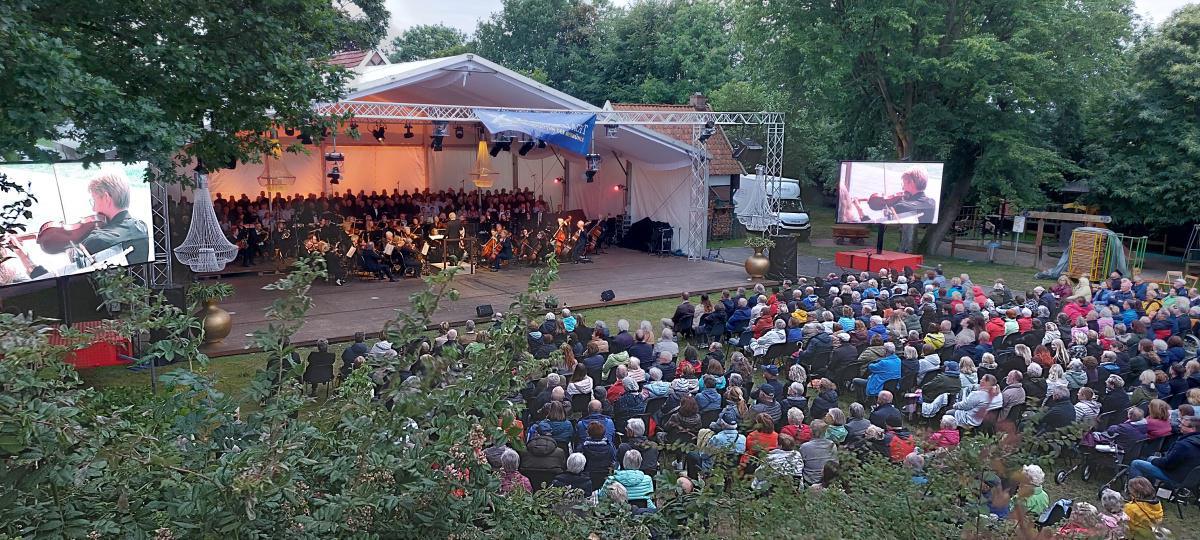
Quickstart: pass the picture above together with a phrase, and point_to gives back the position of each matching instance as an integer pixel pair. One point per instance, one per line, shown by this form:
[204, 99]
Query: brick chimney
[698, 102]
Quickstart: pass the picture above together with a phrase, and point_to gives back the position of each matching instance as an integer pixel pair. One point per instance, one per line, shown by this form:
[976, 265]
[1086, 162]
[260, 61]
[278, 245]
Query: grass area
[232, 373]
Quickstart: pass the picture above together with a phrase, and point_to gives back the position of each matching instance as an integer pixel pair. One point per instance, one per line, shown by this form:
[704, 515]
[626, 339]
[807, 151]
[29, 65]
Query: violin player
[911, 200]
[110, 199]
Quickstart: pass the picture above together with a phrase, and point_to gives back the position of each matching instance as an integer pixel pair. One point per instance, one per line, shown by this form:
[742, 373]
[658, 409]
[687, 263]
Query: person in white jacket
[778, 334]
[970, 411]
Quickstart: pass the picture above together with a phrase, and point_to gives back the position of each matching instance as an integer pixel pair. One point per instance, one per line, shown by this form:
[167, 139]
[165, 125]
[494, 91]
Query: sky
[464, 14]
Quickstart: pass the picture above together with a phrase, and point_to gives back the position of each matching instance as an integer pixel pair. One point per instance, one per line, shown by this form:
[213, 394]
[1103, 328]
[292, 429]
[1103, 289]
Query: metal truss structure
[771, 168]
[157, 274]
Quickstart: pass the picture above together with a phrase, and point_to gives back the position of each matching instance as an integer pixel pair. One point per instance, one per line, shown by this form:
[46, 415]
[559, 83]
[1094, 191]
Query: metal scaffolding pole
[698, 209]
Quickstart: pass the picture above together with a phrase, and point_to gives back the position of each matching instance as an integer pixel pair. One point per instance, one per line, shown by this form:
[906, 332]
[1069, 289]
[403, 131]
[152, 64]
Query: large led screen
[82, 219]
[889, 192]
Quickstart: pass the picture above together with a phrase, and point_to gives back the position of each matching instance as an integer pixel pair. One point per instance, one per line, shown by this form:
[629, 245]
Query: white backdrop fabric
[663, 195]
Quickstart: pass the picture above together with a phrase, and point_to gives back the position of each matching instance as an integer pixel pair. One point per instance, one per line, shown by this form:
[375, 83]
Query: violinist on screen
[110, 199]
[911, 202]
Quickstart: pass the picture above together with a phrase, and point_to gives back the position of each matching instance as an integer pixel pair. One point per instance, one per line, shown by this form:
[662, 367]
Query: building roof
[358, 59]
[718, 146]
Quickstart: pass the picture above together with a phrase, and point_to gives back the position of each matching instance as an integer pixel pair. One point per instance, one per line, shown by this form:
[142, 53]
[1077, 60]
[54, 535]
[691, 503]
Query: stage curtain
[244, 178]
[537, 174]
[662, 195]
[597, 199]
[382, 168]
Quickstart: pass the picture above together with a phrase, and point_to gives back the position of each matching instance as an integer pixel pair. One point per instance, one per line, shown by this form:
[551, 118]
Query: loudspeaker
[607, 296]
[783, 258]
[483, 311]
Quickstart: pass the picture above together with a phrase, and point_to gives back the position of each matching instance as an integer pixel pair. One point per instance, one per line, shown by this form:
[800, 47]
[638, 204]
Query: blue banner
[567, 130]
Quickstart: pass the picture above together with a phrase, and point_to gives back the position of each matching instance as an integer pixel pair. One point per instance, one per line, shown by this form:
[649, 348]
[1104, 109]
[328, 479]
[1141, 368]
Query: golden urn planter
[757, 265]
[217, 322]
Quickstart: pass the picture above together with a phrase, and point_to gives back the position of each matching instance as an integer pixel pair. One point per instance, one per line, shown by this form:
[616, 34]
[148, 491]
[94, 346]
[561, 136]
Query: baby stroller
[1093, 458]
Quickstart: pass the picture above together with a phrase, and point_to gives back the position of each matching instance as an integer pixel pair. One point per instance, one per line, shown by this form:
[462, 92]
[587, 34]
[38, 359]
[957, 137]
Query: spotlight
[593, 165]
[526, 147]
[380, 133]
[305, 137]
[458, 132]
[501, 144]
[610, 131]
[708, 131]
[408, 134]
[440, 129]
[291, 132]
[617, 187]
[541, 144]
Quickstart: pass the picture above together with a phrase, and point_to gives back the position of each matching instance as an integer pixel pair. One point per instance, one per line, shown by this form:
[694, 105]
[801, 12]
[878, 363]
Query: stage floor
[364, 306]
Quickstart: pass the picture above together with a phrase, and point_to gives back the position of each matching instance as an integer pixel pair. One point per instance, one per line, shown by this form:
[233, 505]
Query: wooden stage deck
[364, 306]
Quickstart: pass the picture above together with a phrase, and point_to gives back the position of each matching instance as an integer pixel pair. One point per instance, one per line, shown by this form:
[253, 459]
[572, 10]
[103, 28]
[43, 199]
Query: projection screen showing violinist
[889, 192]
[81, 220]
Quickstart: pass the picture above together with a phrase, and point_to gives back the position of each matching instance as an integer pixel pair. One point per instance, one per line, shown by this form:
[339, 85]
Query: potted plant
[757, 264]
[203, 297]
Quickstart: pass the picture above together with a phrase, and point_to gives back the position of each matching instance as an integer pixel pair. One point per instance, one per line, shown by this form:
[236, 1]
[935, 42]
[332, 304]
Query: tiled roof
[348, 59]
[718, 145]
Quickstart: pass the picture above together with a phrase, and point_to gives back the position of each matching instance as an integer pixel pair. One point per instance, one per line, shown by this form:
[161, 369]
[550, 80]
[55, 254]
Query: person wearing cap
[771, 380]
[765, 403]
[721, 438]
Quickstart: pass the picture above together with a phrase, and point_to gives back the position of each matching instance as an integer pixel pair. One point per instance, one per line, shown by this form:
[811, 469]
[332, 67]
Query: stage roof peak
[470, 80]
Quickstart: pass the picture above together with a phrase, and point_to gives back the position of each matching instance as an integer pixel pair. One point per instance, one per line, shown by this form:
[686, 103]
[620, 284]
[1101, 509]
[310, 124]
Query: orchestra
[404, 233]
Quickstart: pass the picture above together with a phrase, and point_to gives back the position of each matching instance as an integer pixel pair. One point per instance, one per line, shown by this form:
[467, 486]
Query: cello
[492, 248]
[561, 248]
[594, 236]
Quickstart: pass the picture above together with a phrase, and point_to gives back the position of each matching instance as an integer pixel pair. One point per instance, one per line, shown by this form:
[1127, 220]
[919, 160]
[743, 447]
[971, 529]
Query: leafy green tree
[661, 51]
[148, 78]
[1146, 158]
[554, 37]
[427, 41]
[970, 83]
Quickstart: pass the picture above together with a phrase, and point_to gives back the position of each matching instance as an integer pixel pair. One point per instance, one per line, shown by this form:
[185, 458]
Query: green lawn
[232, 373]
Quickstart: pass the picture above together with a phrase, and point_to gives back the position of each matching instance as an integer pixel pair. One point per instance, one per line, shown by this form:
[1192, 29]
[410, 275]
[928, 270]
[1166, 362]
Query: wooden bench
[850, 234]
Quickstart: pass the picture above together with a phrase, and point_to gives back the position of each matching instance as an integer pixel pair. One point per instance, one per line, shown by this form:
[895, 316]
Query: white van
[793, 218]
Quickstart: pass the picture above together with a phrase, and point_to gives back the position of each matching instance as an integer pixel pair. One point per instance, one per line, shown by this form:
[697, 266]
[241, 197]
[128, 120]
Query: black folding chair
[318, 373]
[1187, 492]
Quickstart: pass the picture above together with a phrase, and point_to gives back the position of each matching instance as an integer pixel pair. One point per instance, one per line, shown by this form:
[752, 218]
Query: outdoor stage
[339, 312]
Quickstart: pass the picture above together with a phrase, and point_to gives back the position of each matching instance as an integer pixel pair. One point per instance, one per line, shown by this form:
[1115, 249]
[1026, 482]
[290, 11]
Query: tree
[427, 41]
[147, 79]
[553, 37]
[1146, 157]
[970, 83]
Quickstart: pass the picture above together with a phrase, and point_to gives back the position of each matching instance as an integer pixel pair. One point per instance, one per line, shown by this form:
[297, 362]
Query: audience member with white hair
[639, 487]
[574, 477]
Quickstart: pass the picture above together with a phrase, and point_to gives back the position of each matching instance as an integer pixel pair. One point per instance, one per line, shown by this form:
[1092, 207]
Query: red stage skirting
[868, 260]
[103, 351]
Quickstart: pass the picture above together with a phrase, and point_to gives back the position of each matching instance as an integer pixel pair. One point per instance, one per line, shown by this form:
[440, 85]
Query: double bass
[593, 236]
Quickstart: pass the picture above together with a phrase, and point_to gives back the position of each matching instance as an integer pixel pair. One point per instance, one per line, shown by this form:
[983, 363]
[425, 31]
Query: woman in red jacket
[762, 440]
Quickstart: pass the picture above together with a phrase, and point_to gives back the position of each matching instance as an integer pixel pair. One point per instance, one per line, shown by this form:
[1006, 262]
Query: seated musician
[110, 198]
[372, 261]
[506, 250]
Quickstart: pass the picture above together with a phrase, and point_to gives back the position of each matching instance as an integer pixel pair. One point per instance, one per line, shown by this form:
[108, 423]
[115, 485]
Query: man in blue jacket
[595, 415]
[883, 370]
[740, 319]
[1182, 457]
